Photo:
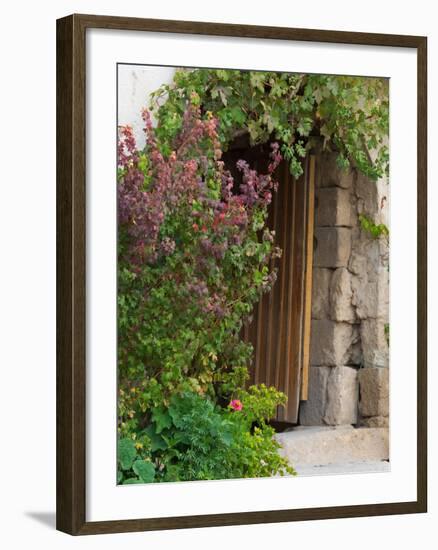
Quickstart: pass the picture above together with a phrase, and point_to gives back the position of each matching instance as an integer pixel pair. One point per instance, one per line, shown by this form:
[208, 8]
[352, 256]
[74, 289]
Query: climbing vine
[349, 114]
[375, 230]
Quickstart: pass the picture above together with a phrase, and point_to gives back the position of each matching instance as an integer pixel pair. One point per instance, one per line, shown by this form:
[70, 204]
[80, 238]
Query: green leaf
[238, 115]
[258, 277]
[161, 418]
[173, 473]
[317, 94]
[223, 96]
[222, 74]
[227, 438]
[157, 442]
[145, 470]
[257, 80]
[374, 230]
[126, 453]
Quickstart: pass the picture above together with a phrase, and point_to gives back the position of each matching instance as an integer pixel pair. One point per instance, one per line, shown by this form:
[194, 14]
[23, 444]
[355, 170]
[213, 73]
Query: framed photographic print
[241, 274]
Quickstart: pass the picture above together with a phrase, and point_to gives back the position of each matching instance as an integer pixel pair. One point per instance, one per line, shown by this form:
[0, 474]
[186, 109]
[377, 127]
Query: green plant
[350, 114]
[194, 256]
[133, 466]
[192, 438]
[375, 230]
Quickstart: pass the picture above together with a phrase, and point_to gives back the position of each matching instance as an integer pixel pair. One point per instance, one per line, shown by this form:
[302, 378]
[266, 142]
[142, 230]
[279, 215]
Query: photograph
[253, 274]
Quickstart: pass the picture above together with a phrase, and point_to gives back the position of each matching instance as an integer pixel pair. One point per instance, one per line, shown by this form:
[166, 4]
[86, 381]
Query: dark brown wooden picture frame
[71, 274]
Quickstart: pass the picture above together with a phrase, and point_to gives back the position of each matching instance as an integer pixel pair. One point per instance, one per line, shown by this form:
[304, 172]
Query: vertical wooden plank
[295, 301]
[272, 319]
[288, 366]
[251, 337]
[278, 331]
[276, 291]
[282, 241]
[285, 213]
[308, 279]
[255, 332]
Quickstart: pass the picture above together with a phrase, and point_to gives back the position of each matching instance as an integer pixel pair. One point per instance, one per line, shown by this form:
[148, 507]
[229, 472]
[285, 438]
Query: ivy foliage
[350, 114]
[373, 229]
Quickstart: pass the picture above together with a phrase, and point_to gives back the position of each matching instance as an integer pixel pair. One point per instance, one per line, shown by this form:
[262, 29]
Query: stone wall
[348, 381]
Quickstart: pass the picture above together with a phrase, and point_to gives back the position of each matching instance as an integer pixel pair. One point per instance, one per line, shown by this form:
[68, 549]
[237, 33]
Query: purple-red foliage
[146, 197]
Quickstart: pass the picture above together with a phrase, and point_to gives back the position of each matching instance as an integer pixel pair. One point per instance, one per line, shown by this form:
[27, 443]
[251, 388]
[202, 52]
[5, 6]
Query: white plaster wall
[135, 84]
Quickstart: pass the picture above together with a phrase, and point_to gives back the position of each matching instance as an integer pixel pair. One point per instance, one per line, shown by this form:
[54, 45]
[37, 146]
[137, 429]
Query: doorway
[280, 326]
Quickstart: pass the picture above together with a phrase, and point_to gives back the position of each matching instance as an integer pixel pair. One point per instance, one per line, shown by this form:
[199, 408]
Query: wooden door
[280, 326]
[280, 329]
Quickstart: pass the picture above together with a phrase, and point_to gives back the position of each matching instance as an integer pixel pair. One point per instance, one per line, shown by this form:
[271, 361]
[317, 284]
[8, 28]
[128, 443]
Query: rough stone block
[374, 343]
[342, 396]
[333, 207]
[367, 196]
[355, 357]
[375, 422]
[330, 175]
[312, 411]
[374, 391]
[341, 295]
[371, 298]
[330, 343]
[368, 256]
[321, 293]
[333, 246]
[358, 261]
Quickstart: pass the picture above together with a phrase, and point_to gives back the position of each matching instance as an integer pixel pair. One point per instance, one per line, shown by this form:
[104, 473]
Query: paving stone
[319, 445]
[358, 467]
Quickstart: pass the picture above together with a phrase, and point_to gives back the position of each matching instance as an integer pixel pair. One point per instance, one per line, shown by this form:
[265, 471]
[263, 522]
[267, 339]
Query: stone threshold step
[316, 446]
[369, 467]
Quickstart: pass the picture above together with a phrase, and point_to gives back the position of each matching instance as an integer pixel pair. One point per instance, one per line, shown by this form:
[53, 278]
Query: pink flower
[236, 405]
